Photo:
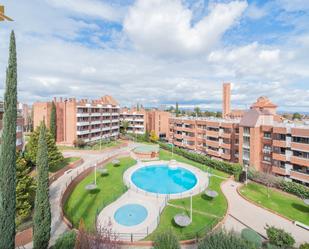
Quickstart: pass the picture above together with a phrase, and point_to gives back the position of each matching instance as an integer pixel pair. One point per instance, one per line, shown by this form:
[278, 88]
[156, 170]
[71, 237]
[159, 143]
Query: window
[267, 135]
[301, 154]
[303, 140]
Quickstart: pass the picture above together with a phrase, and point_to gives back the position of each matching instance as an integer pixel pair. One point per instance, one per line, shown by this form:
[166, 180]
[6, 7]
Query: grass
[85, 205]
[206, 213]
[286, 205]
[65, 162]
[95, 146]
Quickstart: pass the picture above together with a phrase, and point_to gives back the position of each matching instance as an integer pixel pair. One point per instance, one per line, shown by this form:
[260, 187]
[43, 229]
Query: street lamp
[246, 170]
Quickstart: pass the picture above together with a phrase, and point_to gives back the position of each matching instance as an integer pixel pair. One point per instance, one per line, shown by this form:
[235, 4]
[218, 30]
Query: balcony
[226, 156]
[179, 136]
[189, 146]
[279, 171]
[299, 176]
[188, 129]
[115, 114]
[300, 161]
[212, 143]
[106, 121]
[226, 146]
[226, 135]
[189, 138]
[299, 146]
[106, 114]
[83, 132]
[279, 143]
[95, 114]
[95, 122]
[279, 157]
[82, 114]
[213, 153]
[95, 130]
[106, 128]
[178, 143]
[83, 123]
[212, 133]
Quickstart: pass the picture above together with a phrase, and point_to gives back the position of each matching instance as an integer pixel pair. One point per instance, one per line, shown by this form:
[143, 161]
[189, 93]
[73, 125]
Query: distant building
[87, 120]
[19, 127]
[143, 120]
[259, 138]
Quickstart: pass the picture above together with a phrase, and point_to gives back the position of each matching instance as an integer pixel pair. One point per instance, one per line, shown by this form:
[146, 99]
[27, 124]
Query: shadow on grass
[300, 207]
[206, 197]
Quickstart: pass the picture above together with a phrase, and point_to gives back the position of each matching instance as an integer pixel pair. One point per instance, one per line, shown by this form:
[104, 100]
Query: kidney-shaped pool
[162, 179]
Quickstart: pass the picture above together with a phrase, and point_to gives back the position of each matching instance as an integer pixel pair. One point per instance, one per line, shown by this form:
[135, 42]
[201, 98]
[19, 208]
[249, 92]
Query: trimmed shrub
[166, 240]
[304, 246]
[252, 237]
[279, 183]
[279, 237]
[66, 241]
[230, 168]
[224, 240]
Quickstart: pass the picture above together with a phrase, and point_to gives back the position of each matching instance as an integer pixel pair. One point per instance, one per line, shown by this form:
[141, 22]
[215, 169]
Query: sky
[158, 52]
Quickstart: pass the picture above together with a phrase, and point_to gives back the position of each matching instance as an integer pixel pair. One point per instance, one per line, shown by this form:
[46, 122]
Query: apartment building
[143, 120]
[88, 120]
[19, 127]
[260, 139]
[215, 137]
[136, 120]
[158, 121]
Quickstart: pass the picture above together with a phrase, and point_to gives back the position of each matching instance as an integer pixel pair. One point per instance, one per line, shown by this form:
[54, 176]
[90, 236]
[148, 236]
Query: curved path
[56, 189]
[242, 214]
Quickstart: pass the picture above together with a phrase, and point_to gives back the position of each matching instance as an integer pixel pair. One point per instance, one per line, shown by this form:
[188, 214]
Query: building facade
[142, 120]
[259, 139]
[136, 120]
[19, 127]
[85, 120]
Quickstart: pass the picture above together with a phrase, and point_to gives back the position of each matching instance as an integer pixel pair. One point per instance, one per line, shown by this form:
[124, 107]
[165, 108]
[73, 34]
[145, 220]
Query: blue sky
[161, 51]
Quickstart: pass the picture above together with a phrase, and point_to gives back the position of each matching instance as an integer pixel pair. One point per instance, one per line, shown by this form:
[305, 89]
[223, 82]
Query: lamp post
[246, 169]
[95, 174]
[191, 207]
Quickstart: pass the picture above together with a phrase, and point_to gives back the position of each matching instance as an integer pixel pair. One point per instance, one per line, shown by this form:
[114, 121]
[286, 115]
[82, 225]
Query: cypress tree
[177, 110]
[42, 214]
[8, 153]
[53, 122]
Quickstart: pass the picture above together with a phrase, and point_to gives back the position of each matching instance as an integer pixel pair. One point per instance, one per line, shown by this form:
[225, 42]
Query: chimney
[226, 99]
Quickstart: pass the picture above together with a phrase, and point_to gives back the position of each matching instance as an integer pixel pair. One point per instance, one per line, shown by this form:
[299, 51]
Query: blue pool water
[131, 214]
[164, 180]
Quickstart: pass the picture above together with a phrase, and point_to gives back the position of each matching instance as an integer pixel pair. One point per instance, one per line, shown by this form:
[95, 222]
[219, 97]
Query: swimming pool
[162, 179]
[131, 214]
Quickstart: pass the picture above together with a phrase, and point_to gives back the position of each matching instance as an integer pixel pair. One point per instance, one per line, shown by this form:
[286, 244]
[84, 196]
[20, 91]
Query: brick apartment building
[143, 120]
[257, 137]
[19, 127]
[81, 119]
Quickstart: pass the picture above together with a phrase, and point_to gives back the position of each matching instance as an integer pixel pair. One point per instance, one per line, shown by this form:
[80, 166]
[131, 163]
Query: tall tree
[55, 157]
[8, 153]
[42, 215]
[177, 110]
[53, 121]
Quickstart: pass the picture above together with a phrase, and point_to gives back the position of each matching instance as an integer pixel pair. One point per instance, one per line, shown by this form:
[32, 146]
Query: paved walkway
[243, 213]
[56, 189]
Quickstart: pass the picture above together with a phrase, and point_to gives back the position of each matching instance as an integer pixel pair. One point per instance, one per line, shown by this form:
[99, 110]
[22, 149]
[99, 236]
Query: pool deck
[154, 203]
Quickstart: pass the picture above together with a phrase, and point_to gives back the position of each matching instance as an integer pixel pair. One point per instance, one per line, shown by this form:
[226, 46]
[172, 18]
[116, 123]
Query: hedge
[230, 168]
[279, 183]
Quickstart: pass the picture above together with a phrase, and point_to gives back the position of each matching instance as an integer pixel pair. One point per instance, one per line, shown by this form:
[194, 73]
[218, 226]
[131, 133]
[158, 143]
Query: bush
[252, 237]
[279, 183]
[279, 237]
[66, 241]
[304, 246]
[79, 143]
[230, 168]
[224, 240]
[166, 240]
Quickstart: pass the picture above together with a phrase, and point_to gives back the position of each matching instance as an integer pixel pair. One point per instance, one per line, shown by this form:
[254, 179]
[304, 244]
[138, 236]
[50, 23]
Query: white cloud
[93, 8]
[164, 26]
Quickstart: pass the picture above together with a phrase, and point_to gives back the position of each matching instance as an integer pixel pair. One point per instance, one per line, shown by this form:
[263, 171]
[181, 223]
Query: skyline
[93, 48]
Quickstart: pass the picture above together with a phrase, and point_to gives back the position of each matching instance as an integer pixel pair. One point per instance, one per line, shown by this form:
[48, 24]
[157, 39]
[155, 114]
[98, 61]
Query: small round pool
[131, 214]
[162, 179]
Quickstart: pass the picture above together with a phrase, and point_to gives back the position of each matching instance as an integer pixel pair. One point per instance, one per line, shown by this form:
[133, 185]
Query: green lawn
[95, 146]
[65, 162]
[83, 204]
[287, 205]
[206, 213]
